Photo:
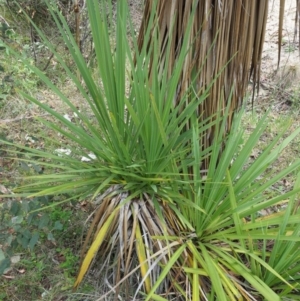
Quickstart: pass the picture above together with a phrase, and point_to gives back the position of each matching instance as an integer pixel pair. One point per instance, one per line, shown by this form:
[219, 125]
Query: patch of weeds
[4, 161]
[30, 276]
[295, 100]
[14, 73]
[46, 266]
[44, 240]
[290, 47]
[49, 270]
[277, 121]
[59, 215]
[68, 260]
[23, 223]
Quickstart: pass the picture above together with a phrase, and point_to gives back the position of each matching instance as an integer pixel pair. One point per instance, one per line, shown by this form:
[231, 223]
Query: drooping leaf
[34, 239]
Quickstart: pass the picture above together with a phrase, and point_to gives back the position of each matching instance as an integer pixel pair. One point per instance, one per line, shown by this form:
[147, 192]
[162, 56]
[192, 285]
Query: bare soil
[280, 82]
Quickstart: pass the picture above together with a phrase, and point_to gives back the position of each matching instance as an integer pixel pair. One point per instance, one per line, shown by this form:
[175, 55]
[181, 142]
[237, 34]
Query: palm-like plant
[185, 234]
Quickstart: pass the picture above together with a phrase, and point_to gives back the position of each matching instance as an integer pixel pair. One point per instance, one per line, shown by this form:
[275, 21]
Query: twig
[51, 56]
[4, 21]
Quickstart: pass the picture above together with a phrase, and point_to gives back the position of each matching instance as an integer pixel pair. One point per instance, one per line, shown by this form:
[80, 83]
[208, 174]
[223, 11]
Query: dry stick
[76, 10]
[33, 44]
[4, 21]
[51, 56]
[77, 22]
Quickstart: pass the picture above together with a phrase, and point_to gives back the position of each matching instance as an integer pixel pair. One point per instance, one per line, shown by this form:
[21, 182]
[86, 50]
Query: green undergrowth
[42, 249]
[277, 120]
[15, 72]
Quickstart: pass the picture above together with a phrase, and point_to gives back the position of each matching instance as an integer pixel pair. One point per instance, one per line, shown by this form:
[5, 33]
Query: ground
[48, 272]
[279, 90]
[281, 81]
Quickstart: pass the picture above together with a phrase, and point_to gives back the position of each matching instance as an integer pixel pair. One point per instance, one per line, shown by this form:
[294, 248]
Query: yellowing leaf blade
[94, 248]
[141, 252]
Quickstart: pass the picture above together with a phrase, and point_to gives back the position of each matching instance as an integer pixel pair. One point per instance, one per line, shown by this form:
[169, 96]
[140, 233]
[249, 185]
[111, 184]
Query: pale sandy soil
[281, 83]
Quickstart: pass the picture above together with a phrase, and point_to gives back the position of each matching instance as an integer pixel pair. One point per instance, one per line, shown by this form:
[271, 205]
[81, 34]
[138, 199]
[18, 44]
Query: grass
[278, 118]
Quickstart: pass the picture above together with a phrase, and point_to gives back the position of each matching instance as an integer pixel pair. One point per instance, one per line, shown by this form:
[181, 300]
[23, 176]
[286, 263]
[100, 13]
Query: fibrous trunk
[226, 43]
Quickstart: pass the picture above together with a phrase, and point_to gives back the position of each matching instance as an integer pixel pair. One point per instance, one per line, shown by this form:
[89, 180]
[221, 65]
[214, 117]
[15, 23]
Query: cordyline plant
[165, 229]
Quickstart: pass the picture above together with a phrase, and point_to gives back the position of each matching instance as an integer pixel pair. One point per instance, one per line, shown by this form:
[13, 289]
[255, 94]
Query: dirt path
[281, 85]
